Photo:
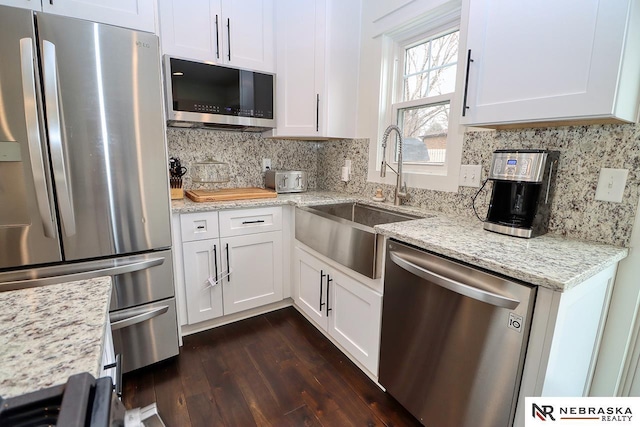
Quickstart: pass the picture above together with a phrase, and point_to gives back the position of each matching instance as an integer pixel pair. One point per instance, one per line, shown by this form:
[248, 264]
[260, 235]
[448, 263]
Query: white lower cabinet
[203, 296]
[232, 261]
[255, 267]
[348, 310]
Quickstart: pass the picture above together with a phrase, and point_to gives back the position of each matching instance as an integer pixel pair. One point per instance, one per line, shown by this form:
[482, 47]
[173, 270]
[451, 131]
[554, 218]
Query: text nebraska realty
[609, 413]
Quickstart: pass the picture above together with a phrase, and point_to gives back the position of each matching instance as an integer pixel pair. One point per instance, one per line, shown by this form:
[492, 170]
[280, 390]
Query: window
[425, 86]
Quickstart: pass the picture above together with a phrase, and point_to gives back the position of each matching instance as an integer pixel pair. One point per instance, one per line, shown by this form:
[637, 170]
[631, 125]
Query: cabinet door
[309, 281]
[204, 299]
[300, 33]
[135, 14]
[191, 31]
[254, 264]
[247, 30]
[542, 60]
[24, 4]
[355, 312]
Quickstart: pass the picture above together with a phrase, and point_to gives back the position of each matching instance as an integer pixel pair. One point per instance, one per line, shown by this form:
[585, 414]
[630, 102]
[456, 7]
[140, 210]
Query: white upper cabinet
[135, 14]
[248, 37]
[547, 61]
[318, 45]
[232, 32]
[24, 4]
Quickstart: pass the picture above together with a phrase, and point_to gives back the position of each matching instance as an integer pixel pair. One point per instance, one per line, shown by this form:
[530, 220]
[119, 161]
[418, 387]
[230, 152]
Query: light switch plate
[266, 165]
[470, 175]
[611, 184]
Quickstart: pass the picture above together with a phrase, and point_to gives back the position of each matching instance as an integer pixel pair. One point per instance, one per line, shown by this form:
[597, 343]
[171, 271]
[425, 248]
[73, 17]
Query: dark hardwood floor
[275, 369]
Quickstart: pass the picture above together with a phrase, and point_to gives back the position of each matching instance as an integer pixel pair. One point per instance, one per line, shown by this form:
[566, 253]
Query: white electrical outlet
[470, 175]
[266, 164]
[611, 184]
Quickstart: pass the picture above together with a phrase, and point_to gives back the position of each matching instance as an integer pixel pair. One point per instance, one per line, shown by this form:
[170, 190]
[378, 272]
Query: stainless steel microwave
[200, 93]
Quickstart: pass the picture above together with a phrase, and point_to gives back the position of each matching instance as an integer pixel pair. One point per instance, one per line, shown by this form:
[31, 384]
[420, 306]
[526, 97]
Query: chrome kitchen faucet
[401, 188]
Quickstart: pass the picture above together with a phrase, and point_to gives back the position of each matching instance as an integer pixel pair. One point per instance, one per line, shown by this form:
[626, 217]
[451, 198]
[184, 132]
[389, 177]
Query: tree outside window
[427, 87]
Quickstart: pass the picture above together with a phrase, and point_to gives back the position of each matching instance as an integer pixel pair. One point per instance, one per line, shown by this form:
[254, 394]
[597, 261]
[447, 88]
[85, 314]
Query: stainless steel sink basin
[344, 232]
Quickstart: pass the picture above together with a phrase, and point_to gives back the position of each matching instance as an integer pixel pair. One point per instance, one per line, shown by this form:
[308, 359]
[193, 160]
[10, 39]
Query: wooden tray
[227, 194]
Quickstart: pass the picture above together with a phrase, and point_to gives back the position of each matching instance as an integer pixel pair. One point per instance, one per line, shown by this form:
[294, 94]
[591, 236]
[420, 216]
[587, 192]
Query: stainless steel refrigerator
[83, 171]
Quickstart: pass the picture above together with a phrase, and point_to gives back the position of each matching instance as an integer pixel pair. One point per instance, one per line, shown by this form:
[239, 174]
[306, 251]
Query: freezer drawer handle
[85, 275]
[55, 125]
[138, 318]
[33, 135]
[455, 286]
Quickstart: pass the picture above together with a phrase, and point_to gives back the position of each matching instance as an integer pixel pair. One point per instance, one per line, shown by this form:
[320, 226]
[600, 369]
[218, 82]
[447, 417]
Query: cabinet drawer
[249, 221]
[199, 226]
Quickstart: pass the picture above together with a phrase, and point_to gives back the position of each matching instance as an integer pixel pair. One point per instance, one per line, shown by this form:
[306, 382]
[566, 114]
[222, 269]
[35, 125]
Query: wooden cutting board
[228, 194]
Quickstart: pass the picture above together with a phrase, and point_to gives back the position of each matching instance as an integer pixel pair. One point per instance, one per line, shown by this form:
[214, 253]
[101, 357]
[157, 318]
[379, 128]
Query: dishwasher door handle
[453, 285]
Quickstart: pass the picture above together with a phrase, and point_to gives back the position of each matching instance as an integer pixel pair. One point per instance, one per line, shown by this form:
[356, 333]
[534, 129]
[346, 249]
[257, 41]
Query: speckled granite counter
[551, 261]
[186, 205]
[51, 332]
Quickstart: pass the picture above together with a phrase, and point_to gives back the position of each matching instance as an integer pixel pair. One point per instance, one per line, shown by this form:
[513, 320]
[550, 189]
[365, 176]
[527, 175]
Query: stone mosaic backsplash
[575, 212]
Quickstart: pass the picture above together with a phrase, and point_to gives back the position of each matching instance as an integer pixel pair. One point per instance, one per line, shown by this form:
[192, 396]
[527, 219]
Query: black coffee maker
[523, 187]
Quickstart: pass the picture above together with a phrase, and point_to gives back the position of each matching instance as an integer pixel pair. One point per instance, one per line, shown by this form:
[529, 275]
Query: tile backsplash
[575, 213]
[243, 151]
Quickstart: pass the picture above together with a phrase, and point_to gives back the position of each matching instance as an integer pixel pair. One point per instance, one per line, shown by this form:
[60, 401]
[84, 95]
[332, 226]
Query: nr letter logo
[543, 412]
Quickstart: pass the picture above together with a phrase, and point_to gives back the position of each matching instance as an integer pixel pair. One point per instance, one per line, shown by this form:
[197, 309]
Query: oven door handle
[453, 285]
[117, 323]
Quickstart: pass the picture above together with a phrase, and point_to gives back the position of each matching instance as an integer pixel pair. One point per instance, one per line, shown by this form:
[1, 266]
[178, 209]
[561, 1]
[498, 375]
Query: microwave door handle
[453, 285]
[54, 125]
[33, 135]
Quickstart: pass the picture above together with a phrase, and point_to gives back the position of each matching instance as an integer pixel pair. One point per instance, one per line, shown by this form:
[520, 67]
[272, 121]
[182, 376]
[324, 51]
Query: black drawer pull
[257, 221]
[200, 227]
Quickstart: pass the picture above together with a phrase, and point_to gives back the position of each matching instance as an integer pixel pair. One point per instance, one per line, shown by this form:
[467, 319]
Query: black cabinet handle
[228, 266]
[317, 112]
[215, 261]
[118, 379]
[200, 227]
[329, 280]
[217, 40]
[322, 275]
[229, 36]
[257, 221]
[465, 107]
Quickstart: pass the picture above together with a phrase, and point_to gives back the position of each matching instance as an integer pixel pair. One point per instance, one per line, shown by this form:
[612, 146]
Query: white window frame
[440, 177]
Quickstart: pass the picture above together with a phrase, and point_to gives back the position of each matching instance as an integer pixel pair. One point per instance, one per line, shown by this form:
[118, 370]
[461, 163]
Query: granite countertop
[551, 261]
[51, 332]
[186, 205]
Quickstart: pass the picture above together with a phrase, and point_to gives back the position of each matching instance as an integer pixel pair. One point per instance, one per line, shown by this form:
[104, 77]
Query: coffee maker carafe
[523, 187]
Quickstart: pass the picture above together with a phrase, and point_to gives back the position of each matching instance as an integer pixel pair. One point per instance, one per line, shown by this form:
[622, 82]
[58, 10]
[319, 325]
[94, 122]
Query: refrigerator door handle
[130, 320]
[33, 135]
[54, 126]
[83, 275]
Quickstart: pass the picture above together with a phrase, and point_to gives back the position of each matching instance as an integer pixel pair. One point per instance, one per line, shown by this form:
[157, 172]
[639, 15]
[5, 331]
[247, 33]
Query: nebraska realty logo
[582, 411]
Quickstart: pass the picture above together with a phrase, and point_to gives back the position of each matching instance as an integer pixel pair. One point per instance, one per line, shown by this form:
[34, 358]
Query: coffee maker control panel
[526, 166]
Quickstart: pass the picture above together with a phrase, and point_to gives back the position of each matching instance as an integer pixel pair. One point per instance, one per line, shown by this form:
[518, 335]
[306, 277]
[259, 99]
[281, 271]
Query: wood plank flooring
[271, 370]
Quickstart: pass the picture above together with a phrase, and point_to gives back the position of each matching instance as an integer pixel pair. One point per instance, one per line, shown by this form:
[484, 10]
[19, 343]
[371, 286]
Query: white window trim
[432, 177]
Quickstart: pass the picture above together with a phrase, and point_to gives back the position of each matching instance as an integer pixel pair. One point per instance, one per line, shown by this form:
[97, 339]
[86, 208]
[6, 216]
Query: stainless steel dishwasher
[453, 339]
